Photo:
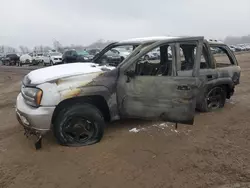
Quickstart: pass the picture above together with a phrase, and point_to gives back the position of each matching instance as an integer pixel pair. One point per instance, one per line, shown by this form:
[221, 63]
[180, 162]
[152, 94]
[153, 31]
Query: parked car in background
[232, 48]
[72, 56]
[93, 51]
[51, 58]
[152, 55]
[123, 52]
[11, 59]
[27, 59]
[38, 57]
[111, 57]
[237, 48]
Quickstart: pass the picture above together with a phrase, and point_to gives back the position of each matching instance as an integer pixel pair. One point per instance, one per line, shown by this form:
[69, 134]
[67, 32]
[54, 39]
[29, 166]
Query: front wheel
[79, 125]
[51, 63]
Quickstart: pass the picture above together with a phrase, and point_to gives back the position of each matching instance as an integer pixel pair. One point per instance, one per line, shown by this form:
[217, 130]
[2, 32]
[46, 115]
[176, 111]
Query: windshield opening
[83, 52]
[115, 54]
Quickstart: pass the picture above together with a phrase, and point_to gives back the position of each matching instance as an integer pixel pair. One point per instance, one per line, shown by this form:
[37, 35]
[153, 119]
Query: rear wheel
[214, 99]
[79, 125]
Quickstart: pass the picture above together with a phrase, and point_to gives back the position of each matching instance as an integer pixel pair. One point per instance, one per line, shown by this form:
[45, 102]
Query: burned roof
[159, 38]
[147, 39]
[212, 41]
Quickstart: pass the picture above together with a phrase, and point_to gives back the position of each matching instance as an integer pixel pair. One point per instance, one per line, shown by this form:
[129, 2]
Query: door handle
[183, 87]
[210, 76]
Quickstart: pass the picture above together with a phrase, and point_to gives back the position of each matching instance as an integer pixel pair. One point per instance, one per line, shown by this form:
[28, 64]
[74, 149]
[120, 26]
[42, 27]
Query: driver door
[160, 94]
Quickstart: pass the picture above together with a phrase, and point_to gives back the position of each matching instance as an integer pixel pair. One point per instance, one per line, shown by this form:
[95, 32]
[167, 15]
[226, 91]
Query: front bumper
[37, 120]
[55, 62]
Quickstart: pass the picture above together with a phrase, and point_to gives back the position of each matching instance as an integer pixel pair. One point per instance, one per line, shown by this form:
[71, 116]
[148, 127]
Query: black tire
[207, 106]
[66, 130]
[51, 63]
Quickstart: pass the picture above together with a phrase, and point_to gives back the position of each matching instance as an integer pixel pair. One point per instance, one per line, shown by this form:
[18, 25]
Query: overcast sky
[35, 22]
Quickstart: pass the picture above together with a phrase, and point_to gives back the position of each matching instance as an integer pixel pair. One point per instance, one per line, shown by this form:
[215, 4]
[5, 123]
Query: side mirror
[130, 74]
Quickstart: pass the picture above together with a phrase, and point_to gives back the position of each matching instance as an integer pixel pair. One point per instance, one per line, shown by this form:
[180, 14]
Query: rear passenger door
[226, 63]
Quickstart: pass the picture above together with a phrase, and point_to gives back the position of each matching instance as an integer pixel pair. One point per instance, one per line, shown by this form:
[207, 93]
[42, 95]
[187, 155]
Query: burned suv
[75, 100]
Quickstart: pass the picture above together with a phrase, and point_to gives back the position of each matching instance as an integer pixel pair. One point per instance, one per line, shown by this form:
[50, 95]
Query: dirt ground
[214, 152]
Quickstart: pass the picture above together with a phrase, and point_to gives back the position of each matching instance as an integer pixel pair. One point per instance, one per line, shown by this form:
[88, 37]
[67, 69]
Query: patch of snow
[135, 130]
[161, 126]
[174, 130]
[231, 101]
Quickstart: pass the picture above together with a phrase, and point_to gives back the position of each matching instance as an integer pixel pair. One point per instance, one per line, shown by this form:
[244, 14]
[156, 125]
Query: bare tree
[58, 46]
[24, 49]
[10, 49]
[47, 48]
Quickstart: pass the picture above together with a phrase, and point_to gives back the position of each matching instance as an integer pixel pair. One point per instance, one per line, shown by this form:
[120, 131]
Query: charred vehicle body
[75, 100]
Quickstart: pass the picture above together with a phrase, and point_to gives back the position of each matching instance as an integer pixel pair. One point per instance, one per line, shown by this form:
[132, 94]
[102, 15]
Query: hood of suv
[57, 56]
[51, 73]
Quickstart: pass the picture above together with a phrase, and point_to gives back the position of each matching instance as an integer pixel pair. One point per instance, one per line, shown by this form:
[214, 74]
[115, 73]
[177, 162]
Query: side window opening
[73, 53]
[221, 57]
[157, 62]
[187, 57]
[205, 63]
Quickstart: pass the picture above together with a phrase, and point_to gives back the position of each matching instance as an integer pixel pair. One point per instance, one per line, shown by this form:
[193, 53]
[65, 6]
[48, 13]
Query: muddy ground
[213, 152]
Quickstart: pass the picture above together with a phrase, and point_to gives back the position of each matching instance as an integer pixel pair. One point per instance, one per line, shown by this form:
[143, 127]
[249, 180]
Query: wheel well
[96, 100]
[228, 89]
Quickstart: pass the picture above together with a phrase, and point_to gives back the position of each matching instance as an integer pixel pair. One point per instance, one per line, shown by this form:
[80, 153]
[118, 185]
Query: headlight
[85, 58]
[32, 96]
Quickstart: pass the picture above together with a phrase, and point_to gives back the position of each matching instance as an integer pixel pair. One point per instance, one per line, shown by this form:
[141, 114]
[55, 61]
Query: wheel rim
[79, 129]
[214, 98]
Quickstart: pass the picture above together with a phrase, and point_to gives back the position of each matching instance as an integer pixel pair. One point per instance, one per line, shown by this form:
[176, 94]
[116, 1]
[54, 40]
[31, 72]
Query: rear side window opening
[221, 56]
